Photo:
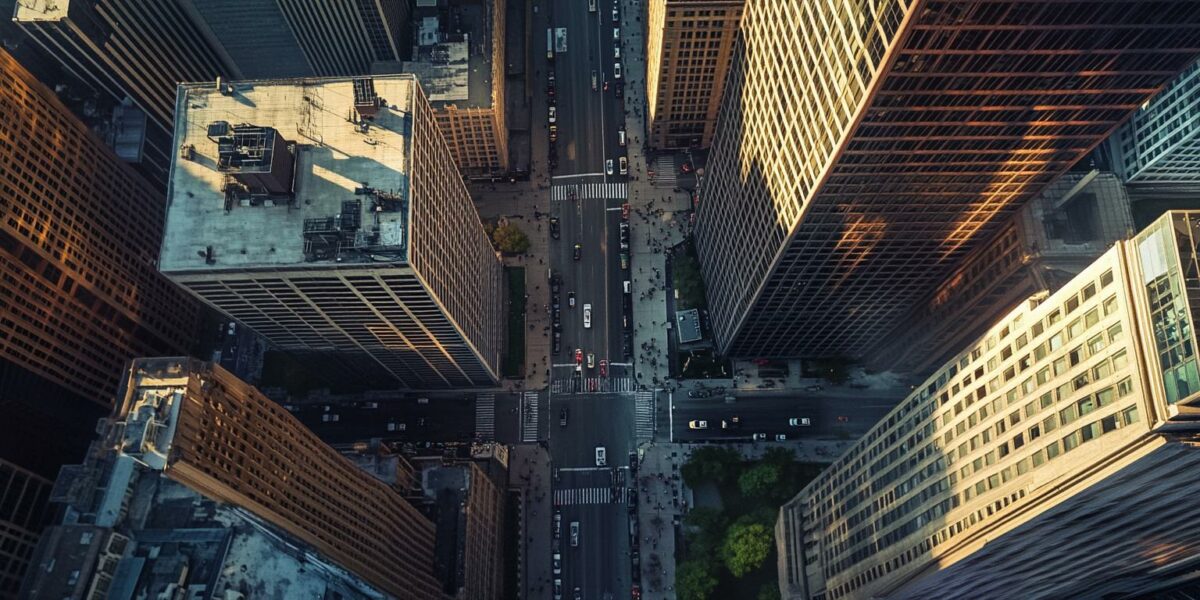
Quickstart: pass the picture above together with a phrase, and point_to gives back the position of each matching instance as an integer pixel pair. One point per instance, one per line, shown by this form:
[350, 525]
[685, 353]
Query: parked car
[557, 526]
[557, 589]
[625, 260]
[624, 165]
[813, 388]
[621, 142]
[557, 564]
[697, 424]
[781, 438]
[601, 458]
[331, 418]
[633, 461]
[617, 51]
[625, 208]
[394, 426]
[616, 34]
[553, 114]
[554, 133]
[616, 70]
[843, 419]
[731, 423]
[422, 400]
[698, 394]
[759, 436]
[799, 421]
[554, 229]
[608, 167]
[616, 15]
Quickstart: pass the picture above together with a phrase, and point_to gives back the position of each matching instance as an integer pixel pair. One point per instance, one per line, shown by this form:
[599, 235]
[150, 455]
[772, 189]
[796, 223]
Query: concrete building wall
[689, 48]
[861, 154]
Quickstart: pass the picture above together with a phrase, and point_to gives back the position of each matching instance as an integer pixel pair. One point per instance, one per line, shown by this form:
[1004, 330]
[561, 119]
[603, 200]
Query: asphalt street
[831, 415]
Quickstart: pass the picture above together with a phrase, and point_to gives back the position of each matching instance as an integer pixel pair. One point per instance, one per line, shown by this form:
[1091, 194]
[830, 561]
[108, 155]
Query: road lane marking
[600, 174]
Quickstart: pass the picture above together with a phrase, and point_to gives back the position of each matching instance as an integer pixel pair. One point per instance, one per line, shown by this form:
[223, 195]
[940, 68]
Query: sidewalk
[653, 226]
[517, 203]
[529, 472]
[663, 500]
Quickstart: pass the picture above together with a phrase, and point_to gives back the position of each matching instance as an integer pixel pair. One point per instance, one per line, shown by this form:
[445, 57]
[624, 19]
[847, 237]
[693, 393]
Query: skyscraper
[1160, 145]
[328, 216]
[199, 426]
[1049, 459]
[79, 236]
[689, 48]
[863, 150]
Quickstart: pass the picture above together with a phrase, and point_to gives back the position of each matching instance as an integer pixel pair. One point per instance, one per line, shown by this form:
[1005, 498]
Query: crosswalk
[485, 417]
[591, 495]
[592, 385]
[529, 417]
[664, 170]
[588, 191]
[643, 416]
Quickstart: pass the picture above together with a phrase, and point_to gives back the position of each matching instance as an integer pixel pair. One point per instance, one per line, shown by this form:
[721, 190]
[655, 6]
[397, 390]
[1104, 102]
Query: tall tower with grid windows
[864, 148]
[328, 216]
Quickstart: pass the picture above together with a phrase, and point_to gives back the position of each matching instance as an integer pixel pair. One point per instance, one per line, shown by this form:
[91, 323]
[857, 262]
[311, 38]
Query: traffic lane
[592, 420]
[598, 565]
[621, 320]
[770, 414]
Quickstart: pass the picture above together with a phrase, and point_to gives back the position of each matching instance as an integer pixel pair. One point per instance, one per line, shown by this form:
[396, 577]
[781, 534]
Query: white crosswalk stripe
[529, 426]
[589, 191]
[592, 495]
[485, 417]
[664, 171]
[592, 385]
[643, 416]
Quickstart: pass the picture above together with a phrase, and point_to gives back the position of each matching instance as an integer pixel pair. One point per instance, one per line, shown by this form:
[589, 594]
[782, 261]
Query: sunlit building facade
[689, 47]
[1051, 458]
[863, 150]
[1160, 145]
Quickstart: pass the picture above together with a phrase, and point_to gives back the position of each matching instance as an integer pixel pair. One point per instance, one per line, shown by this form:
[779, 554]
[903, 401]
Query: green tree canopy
[769, 591]
[710, 524]
[759, 481]
[694, 580]
[711, 463]
[510, 239]
[746, 547]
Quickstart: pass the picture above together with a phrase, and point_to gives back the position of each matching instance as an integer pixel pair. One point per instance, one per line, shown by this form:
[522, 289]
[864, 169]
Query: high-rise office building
[1051, 458]
[1160, 145]
[205, 429]
[689, 47]
[458, 56]
[1053, 237]
[862, 151]
[328, 216]
[79, 236]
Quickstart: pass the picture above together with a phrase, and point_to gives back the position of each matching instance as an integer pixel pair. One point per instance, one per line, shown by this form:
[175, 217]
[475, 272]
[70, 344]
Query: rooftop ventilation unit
[366, 101]
[258, 157]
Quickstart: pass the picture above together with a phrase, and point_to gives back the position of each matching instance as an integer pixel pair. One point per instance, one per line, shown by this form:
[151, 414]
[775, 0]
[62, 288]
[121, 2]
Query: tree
[746, 547]
[711, 463]
[694, 580]
[710, 526]
[759, 481]
[769, 591]
[778, 455]
[510, 239]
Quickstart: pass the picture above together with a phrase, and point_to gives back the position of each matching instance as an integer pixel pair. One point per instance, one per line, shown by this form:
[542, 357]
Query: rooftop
[275, 173]
[452, 62]
[41, 10]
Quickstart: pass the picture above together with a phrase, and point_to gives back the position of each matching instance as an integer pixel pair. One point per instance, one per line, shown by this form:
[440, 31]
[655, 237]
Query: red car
[578, 356]
[843, 419]
[625, 211]
[603, 368]
[686, 167]
[636, 592]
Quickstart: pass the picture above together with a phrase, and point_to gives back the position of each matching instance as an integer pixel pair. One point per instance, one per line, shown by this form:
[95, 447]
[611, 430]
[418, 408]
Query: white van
[587, 316]
[621, 137]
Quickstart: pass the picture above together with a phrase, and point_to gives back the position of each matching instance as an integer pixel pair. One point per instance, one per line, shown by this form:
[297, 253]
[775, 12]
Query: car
[555, 232]
[608, 167]
[591, 5]
[557, 342]
[620, 90]
[578, 356]
[420, 421]
[574, 533]
[422, 400]
[631, 498]
[633, 460]
[635, 593]
[843, 419]
[601, 457]
[813, 388]
[331, 418]
[571, 299]
[621, 142]
[627, 287]
[370, 405]
[587, 316]
[562, 418]
[232, 328]
[557, 564]
[578, 251]
[394, 426]
[731, 423]
[616, 70]
[557, 525]
[781, 438]
[554, 303]
[554, 133]
[625, 208]
[617, 51]
[591, 362]
[758, 436]
[578, 593]
[616, 15]
[557, 589]
[625, 260]
[604, 367]
[698, 394]
[799, 422]
[595, 80]
[697, 424]
[686, 167]
[553, 114]
[624, 165]
[616, 34]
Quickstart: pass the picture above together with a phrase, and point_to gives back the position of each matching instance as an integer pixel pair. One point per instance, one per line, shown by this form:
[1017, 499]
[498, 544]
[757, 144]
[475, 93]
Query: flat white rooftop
[345, 201]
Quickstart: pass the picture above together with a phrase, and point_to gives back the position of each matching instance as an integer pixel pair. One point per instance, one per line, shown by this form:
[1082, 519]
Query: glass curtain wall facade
[864, 150]
[1160, 144]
